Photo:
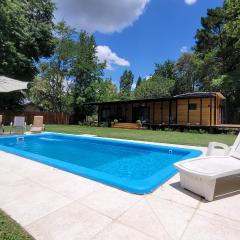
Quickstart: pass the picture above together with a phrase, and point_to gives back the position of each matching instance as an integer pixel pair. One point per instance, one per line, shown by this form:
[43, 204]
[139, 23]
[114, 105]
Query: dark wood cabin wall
[158, 113]
[165, 112]
[128, 112]
[182, 111]
[173, 111]
[206, 111]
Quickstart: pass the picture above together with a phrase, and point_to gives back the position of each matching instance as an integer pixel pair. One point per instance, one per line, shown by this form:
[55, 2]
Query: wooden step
[126, 125]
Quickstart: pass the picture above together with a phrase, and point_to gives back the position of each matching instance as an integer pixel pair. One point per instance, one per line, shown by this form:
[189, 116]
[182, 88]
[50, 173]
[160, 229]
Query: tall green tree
[47, 90]
[139, 81]
[159, 84]
[103, 90]
[209, 46]
[72, 76]
[126, 82]
[86, 70]
[166, 70]
[50, 89]
[218, 47]
[217, 42]
[25, 36]
[229, 85]
[232, 26]
[187, 68]
[154, 87]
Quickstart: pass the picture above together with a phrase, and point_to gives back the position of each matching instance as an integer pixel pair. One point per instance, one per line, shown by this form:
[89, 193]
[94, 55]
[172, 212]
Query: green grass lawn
[10, 230]
[185, 138]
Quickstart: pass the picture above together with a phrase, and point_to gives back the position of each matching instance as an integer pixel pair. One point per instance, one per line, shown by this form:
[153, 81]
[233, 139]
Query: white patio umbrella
[10, 85]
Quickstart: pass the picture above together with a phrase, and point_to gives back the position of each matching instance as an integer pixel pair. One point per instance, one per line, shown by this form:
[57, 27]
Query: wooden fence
[49, 117]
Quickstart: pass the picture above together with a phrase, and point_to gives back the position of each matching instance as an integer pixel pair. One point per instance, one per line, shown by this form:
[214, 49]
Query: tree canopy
[126, 82]
[187, 73]
[159, 84]
[72, 75]
[26, 35]
[67, 72]
[218, 49]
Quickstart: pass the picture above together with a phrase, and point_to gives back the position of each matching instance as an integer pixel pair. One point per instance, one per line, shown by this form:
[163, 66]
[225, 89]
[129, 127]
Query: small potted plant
[139, 123]
[114, 122]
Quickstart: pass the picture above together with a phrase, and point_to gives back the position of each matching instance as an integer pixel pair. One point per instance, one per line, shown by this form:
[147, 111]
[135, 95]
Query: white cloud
[184, 49]
[105, 16]
[134, 85]
[190, 2]
[104, 53]
[148, 77]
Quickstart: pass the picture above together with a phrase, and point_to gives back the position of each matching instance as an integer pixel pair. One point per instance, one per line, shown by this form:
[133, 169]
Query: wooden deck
[230, 126]
[181, 127]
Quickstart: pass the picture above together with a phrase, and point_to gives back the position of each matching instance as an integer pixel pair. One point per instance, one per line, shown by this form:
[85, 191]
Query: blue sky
[136, 34]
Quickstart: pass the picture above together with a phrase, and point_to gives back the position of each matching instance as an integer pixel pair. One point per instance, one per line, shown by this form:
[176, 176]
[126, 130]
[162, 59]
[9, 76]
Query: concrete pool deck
[53, 204]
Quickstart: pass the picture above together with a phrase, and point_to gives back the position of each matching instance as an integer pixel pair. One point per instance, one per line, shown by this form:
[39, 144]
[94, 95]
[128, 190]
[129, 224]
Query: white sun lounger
[37, 126]
[218, 149]
[18, 125]
[1, 120]
[199, 175]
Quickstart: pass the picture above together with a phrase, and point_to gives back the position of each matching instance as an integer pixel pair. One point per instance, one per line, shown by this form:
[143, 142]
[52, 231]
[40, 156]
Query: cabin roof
[200, 94]
[180, 96]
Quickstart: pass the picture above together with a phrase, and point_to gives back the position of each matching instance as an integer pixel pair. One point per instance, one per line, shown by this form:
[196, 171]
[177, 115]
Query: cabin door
[141, 113]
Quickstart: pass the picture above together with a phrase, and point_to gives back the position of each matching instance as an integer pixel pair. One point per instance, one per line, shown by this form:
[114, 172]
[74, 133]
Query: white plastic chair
[199, 175]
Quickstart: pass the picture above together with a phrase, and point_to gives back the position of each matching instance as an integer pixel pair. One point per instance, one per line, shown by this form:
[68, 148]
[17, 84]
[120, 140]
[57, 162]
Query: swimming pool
[131, 166]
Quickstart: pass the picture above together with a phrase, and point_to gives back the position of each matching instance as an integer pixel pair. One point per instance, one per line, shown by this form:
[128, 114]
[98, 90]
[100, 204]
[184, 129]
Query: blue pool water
[134, 167]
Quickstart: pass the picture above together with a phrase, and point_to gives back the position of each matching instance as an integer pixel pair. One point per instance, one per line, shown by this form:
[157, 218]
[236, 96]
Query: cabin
[203, 109]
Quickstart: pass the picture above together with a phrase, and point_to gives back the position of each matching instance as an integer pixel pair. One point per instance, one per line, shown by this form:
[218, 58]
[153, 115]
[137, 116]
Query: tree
[139, 81]
[160, 84]
[232, 25]
[25, 37]
[218, 48]
[103, 90]
[187, 68]
[229, 85]
[154, 87]
[86, 70]
[126, 81]
[47, 89]
[217, 42]
[232, 34]
[166, 70]
[50, 89]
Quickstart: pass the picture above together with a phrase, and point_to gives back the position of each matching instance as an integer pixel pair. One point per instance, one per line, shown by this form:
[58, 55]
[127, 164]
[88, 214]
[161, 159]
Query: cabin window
[192, 106]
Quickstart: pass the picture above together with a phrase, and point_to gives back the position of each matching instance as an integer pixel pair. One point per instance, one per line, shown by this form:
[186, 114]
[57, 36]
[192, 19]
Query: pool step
[126, 125]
